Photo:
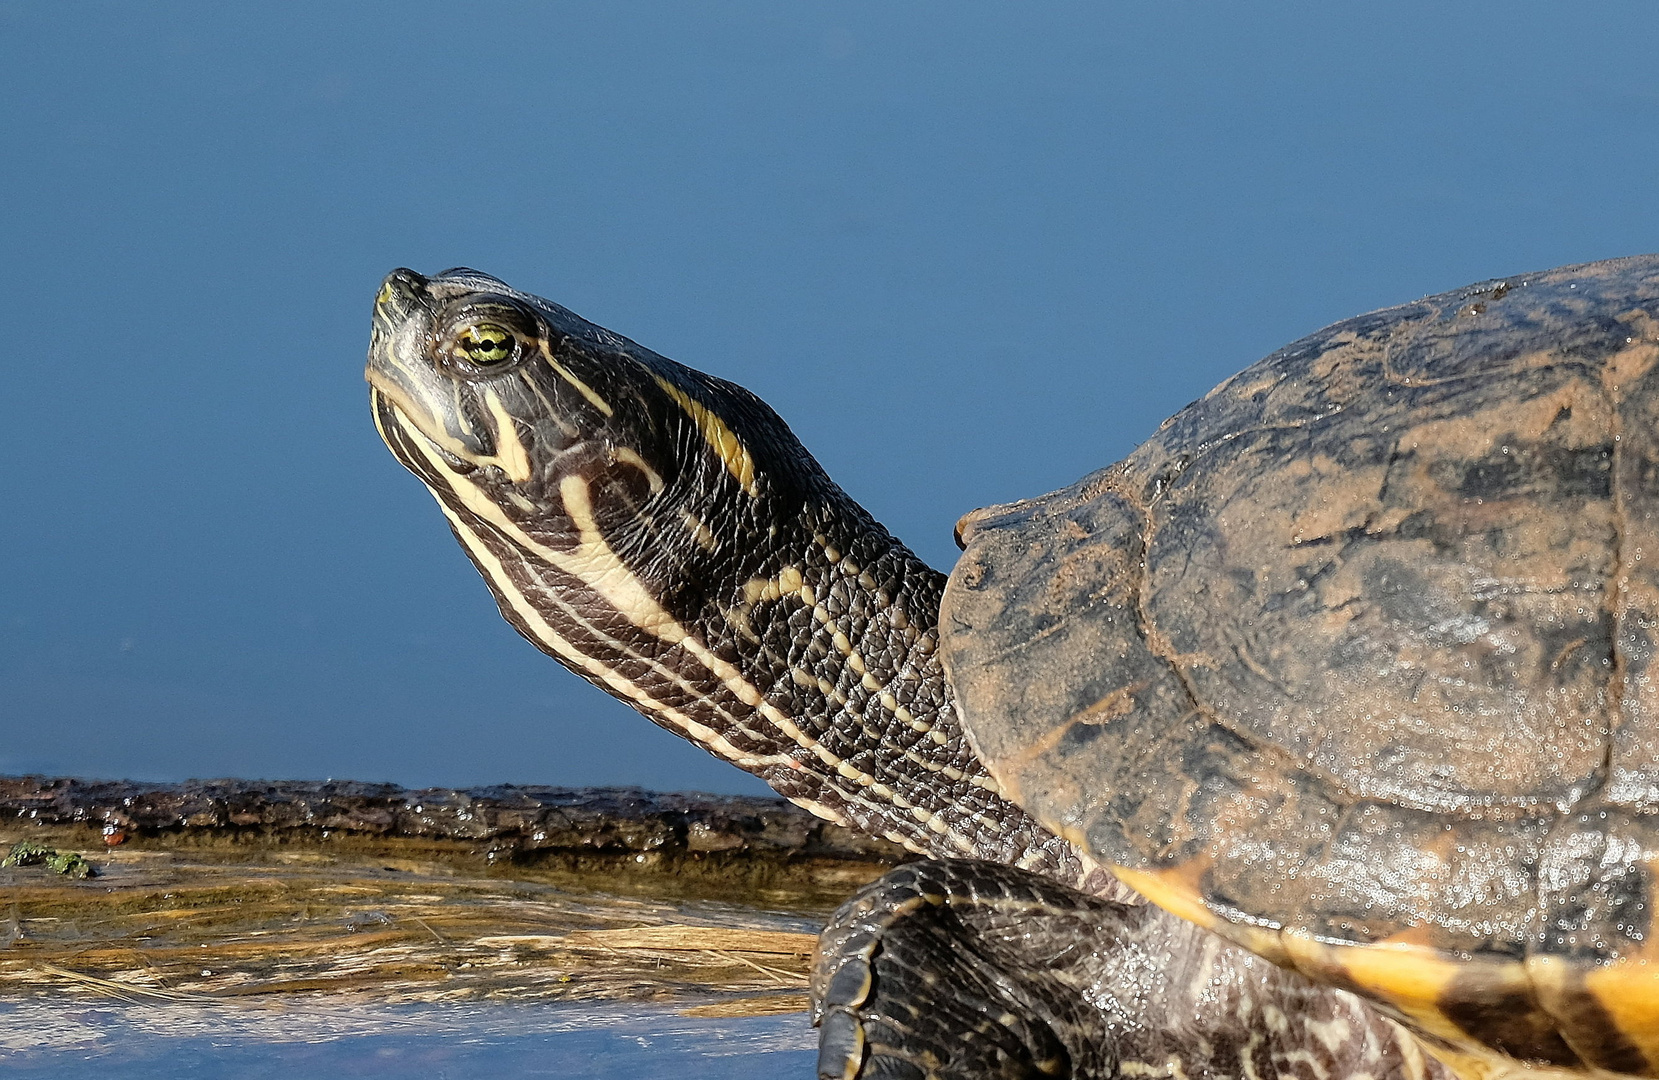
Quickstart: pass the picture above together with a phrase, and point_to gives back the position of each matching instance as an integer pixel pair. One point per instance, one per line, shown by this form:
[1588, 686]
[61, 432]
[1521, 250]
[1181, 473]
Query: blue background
[969, 251]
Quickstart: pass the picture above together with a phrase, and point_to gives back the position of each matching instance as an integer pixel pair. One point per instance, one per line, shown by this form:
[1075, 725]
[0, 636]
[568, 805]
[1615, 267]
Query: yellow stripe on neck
[727, 446]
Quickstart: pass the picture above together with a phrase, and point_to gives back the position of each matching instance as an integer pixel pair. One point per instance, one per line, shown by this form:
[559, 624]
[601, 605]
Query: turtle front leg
[960, 968]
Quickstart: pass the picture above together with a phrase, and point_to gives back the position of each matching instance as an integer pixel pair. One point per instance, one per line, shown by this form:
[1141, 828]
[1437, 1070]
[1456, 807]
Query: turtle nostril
[400, 293]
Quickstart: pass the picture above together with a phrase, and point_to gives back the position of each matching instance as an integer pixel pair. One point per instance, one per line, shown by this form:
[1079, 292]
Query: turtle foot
[956, 969]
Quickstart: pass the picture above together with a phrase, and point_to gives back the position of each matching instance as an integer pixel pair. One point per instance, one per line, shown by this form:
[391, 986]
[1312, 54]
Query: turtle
[1315, 738]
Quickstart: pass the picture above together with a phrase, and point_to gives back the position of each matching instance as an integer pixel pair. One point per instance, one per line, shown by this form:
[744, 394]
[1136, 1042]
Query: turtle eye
[487, 344]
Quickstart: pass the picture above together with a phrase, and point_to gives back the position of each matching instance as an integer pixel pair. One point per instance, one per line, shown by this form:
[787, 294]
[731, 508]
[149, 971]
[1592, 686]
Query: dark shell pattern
[1350, 662]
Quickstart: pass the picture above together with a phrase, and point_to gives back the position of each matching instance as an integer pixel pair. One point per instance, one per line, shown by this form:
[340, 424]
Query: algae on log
[236, 888]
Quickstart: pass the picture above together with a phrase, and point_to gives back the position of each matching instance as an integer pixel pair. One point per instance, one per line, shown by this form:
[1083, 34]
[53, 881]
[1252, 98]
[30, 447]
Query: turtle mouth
[398, 418]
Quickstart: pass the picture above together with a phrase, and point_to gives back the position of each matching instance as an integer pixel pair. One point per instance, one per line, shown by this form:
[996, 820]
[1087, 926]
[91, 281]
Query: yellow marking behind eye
[727, 446]
[510, 454]
[568, 376]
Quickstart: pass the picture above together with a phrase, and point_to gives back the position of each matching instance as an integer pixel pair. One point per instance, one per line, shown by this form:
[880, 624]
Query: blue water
[68, 1040]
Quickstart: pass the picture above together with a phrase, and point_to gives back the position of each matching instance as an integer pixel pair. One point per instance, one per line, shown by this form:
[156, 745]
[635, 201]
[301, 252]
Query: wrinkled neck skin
[836, 626]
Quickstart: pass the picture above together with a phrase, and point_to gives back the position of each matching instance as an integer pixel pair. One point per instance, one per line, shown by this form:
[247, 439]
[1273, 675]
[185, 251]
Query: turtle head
[537, 425]
[453, 361]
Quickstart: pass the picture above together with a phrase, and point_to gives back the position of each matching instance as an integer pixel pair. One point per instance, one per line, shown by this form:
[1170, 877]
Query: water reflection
[113, 1041]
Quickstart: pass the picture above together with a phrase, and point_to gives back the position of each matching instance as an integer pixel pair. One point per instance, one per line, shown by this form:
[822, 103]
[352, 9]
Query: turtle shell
[1350, 662]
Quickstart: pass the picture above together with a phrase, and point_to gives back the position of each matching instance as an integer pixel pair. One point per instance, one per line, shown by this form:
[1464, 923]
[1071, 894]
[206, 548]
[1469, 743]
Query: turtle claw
[840, 1044]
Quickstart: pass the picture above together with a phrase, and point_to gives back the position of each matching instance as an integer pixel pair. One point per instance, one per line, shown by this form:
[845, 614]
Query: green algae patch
[68, 863]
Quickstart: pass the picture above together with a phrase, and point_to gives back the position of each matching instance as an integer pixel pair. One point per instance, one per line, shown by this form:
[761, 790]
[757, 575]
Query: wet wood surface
[236, 890]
